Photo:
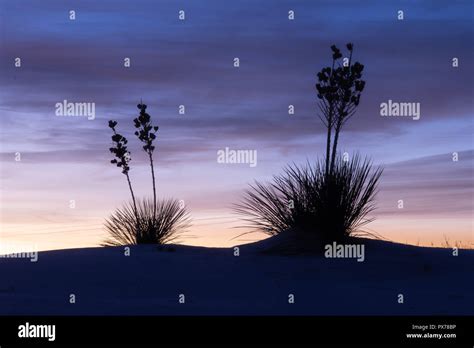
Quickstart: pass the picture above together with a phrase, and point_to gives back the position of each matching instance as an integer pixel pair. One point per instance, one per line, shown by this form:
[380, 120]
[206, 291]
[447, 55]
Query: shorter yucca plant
[308, 201]
[165, 225]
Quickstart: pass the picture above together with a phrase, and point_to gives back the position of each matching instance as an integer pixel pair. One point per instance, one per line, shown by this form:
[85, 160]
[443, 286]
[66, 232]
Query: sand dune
[215, 282]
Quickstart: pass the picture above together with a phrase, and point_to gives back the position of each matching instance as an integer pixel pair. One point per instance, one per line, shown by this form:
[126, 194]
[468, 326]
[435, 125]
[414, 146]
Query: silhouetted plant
[152, 226]
[331, 199]
[146, 134]
[122, 157]
[339, 90]
[148, 222]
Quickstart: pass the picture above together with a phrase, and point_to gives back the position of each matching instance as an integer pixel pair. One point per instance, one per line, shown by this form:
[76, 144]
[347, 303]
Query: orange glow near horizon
[223, 231]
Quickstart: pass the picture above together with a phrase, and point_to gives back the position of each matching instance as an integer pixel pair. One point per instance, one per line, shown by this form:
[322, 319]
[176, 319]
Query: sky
[191, 62]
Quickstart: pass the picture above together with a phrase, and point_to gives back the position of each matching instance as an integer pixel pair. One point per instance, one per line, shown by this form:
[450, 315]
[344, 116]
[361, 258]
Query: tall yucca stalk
[146, 134]
[122, 158]
[339, 89]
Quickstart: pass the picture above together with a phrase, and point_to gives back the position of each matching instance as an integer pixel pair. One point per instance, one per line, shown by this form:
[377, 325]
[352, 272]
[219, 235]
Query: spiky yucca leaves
[345, 197]
[281, 205]
[305, 199]
[171, 219]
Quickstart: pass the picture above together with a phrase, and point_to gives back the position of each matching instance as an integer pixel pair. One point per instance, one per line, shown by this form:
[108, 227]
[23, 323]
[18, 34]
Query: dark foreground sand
[215, 282]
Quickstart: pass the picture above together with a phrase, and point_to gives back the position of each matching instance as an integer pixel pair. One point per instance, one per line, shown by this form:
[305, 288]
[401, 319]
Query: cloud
[191, 64]
[429, 186]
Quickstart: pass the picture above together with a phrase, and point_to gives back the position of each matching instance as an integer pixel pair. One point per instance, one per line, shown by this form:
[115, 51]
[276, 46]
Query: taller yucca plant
[330, 199]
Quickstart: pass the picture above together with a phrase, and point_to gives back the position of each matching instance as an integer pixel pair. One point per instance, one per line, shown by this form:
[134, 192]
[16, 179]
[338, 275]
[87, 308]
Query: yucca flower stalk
[146, 134]
[339, 90]
[122, 158]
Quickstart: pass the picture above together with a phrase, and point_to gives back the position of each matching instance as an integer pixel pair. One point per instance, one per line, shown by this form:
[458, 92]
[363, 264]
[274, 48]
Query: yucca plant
[329, 200]
[160, 224]
[146, 221]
